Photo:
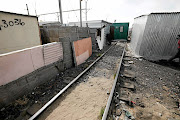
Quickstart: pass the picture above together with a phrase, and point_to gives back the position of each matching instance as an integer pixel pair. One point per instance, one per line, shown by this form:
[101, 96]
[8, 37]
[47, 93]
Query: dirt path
[85, 100]
[154, 90]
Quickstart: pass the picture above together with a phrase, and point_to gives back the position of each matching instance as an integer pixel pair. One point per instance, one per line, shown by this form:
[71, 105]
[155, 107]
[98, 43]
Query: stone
[2, 109]
[108, 92]
[22, 102]
[165, 88]
[126, 59]
[33, 109]
[128, 85]
[130, 62]
[126, 65]
[129, 74]
[118, 112]
[125, 99]
[140, 59]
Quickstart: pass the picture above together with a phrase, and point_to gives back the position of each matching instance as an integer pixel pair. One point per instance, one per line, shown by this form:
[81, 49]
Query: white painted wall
[18, 34]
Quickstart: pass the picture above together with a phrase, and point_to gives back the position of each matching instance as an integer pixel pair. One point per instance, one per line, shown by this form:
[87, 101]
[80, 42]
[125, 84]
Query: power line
[62, 11]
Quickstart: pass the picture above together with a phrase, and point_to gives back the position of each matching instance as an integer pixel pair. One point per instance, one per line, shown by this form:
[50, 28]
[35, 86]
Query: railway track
[113, 88]
[111, 49]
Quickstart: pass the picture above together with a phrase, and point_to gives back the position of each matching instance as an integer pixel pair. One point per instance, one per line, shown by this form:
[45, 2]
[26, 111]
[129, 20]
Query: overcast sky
[110, 10]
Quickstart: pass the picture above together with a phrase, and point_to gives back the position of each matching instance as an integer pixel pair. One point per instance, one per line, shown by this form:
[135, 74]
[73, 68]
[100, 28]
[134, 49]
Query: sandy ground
[84, 100]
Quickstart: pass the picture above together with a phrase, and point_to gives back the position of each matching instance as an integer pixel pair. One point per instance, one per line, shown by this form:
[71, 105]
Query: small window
[121, 29]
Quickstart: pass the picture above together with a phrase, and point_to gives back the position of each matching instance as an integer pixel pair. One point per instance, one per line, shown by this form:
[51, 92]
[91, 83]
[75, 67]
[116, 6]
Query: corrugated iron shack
[154, 35]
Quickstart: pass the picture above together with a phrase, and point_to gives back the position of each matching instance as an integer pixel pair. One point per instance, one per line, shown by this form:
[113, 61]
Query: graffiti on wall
[6, 24]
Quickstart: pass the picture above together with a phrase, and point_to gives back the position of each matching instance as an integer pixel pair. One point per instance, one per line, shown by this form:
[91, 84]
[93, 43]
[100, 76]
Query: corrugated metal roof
[158, 13]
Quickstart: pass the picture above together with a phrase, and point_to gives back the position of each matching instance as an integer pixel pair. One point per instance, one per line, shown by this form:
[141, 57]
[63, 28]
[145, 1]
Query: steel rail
[105, 114]
[65, 88]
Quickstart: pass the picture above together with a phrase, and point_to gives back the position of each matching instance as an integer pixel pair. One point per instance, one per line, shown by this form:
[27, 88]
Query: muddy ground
[147, 91]
[27, 105]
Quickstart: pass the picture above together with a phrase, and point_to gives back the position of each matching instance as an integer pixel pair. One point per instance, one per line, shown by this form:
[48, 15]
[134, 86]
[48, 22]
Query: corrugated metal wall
[159, 37]
[137, 33]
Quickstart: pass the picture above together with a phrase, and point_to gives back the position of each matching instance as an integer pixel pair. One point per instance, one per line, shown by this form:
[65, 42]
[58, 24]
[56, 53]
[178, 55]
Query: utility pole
[80, 14]
[27, 9]
[86, 11]
[35, 9]
[60, 11]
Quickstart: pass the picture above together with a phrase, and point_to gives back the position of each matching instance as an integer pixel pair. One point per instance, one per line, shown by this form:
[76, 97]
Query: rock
[128, 85]
[22, 102]
[165, 88]
[140, 59]
[126, 59]
[33, 109]
[129, 74]
[118, 112]
[121, 102]
[2, 109]
[125, 99]
[130, 62]
[108, 92]
[157, 100]
[126, 65]
[117, 118]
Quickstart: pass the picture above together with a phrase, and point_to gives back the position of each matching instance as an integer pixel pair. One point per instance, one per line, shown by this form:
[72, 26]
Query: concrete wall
[82, 50]
[18, 32]
[25, 69]
[67, 52]
[52, 33]
[27, 83]
[19, 63]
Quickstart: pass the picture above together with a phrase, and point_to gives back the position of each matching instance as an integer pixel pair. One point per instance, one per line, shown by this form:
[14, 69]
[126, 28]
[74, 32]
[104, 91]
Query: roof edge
[18, 14]
[158, 13]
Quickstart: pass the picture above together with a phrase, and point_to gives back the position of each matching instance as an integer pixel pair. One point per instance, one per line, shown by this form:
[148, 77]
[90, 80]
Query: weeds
[114, 75]
[101, 113]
